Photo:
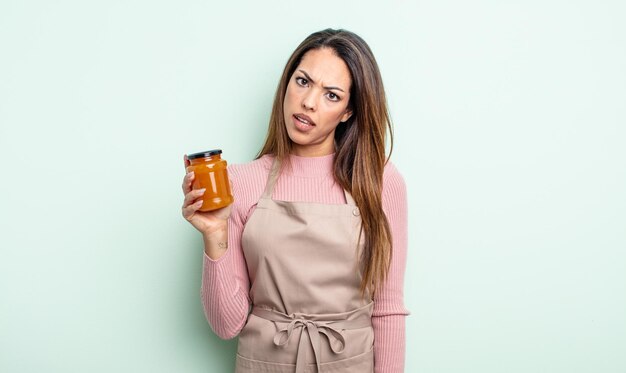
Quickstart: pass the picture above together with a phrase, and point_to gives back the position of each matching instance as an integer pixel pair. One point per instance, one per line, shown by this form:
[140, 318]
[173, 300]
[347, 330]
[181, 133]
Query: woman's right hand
[208, 222]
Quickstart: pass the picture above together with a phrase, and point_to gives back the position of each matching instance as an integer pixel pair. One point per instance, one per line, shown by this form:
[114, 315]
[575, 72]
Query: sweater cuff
[389, 343]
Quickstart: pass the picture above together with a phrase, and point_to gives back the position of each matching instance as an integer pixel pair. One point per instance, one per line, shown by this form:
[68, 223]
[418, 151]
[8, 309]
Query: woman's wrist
[216, 242]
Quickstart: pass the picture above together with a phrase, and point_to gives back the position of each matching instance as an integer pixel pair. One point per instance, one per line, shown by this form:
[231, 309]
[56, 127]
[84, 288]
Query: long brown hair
[359, 142]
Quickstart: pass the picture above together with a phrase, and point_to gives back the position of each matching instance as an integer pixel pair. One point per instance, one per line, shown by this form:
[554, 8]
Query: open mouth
[304, 121]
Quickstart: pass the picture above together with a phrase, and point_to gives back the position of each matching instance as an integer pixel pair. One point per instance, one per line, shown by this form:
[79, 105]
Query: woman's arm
[225, 282]
[388, 318]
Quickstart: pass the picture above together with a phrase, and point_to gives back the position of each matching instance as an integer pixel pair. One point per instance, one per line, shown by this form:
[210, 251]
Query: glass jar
[210, 173]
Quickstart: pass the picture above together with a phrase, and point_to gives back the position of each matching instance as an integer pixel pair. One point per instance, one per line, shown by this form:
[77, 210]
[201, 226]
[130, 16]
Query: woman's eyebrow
[311, 80]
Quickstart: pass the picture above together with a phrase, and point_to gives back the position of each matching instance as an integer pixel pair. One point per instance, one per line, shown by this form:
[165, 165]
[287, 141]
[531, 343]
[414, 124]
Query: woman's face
[320, 90]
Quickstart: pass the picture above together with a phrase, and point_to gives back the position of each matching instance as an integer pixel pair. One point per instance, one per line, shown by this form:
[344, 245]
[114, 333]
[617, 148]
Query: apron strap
[349, 199]
[271, 179]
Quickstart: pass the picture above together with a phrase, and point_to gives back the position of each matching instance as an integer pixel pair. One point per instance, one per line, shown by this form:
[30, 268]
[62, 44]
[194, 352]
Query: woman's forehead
[325, 68]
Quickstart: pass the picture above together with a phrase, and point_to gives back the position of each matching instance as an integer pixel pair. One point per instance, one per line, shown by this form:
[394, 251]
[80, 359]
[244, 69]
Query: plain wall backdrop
[510, 133]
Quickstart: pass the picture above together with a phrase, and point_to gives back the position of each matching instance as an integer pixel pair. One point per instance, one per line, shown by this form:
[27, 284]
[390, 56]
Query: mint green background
[510, 122]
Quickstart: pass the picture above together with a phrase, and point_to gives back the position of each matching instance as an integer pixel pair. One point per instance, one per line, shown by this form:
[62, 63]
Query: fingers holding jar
[187, 182]
[192, 197]
[192, 203]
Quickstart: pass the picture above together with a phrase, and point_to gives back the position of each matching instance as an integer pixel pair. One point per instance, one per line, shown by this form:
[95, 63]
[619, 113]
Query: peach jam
[210, 173]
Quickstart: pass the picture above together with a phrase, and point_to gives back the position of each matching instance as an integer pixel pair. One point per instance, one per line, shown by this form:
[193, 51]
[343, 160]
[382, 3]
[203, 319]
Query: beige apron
[307, 313]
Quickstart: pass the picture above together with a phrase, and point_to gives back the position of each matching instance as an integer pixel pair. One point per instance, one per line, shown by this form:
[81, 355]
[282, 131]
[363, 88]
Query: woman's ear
[346, 115]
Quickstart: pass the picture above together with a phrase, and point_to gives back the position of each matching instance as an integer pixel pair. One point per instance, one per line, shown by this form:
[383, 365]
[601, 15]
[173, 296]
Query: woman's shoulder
[392, 177]
[250, 170]
[247, 181]
[394, 191]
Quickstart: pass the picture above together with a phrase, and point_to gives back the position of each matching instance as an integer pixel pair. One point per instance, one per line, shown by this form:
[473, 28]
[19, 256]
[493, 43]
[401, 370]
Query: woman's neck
[318, 150]
[310, 166]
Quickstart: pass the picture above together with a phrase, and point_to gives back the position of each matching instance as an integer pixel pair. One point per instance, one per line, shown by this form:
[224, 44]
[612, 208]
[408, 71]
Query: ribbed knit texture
[225, 281]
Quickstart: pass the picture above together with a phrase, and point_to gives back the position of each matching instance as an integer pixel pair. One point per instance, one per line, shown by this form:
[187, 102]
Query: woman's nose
[308, 102]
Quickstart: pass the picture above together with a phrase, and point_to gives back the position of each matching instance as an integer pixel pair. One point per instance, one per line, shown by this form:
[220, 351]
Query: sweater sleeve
[388, 318]
[225, 282]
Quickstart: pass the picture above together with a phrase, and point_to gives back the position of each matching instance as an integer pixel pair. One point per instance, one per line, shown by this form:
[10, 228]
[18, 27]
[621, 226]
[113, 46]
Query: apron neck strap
[349, 199]
[271, 179]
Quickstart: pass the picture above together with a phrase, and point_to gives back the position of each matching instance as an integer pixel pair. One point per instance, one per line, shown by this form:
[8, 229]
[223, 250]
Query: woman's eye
[301, 79]
[333, 96]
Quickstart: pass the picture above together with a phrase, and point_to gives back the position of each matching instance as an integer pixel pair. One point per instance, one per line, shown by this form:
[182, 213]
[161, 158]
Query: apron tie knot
[336, 340]
[332, 329]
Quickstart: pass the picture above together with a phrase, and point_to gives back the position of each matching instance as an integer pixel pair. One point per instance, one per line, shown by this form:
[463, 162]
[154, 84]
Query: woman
[307, 265]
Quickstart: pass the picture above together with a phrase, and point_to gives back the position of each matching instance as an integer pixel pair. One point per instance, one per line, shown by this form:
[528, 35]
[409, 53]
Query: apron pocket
[363, 363]
[245, 365]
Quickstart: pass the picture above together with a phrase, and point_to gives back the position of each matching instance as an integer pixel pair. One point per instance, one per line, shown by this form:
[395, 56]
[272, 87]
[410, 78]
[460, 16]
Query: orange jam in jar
[210, 173]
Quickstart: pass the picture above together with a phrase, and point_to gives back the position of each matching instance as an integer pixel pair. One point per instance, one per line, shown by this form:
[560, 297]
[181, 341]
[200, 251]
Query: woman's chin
[296, 137]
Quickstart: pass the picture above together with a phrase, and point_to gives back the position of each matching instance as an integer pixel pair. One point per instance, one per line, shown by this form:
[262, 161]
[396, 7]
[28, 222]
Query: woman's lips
[303, 127]
[304, 118]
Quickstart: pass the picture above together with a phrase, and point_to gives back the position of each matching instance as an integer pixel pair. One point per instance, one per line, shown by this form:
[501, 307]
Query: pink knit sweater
[225, 281]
